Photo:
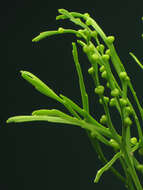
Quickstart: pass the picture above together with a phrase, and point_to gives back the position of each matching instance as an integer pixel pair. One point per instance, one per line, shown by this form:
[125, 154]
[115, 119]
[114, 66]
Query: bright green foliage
[107, 166]
[39, 85]
[101, 56]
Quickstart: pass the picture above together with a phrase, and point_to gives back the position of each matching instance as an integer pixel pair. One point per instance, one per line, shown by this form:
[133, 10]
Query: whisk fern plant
[101, 54]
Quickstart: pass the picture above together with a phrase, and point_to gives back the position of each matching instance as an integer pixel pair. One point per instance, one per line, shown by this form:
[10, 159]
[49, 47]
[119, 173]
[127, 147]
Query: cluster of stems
[102, 56]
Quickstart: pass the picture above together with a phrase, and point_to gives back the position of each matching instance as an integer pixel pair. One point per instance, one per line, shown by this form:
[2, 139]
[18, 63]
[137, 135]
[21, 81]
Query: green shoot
[101, 56]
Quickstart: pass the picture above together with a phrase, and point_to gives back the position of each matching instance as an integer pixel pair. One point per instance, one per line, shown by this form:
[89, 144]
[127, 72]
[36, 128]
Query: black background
[46, 155]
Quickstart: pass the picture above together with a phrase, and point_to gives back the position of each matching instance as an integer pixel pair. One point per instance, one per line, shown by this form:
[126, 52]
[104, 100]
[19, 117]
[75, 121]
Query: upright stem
[132, 171]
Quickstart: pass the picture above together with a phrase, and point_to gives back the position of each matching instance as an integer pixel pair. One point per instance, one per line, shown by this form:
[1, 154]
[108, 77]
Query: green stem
[131, 169]
[136, 99]
[99, 151]
[107, 166]
[135, 178]
[129, 182]
[60, 31]
[81, 81]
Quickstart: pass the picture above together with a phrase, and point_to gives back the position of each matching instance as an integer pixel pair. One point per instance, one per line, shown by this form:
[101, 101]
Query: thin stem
[135, 178]
[81, 81]
[136, 99]
[107, 166]
[131, 169]
[60, 31]
[129, 182]
[99, 151]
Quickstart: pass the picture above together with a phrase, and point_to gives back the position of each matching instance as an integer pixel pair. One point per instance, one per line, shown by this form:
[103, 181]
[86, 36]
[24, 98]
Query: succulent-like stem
[100, 56]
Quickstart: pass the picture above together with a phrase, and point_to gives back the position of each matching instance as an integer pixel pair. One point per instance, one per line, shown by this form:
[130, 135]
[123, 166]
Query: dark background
[46, 155]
